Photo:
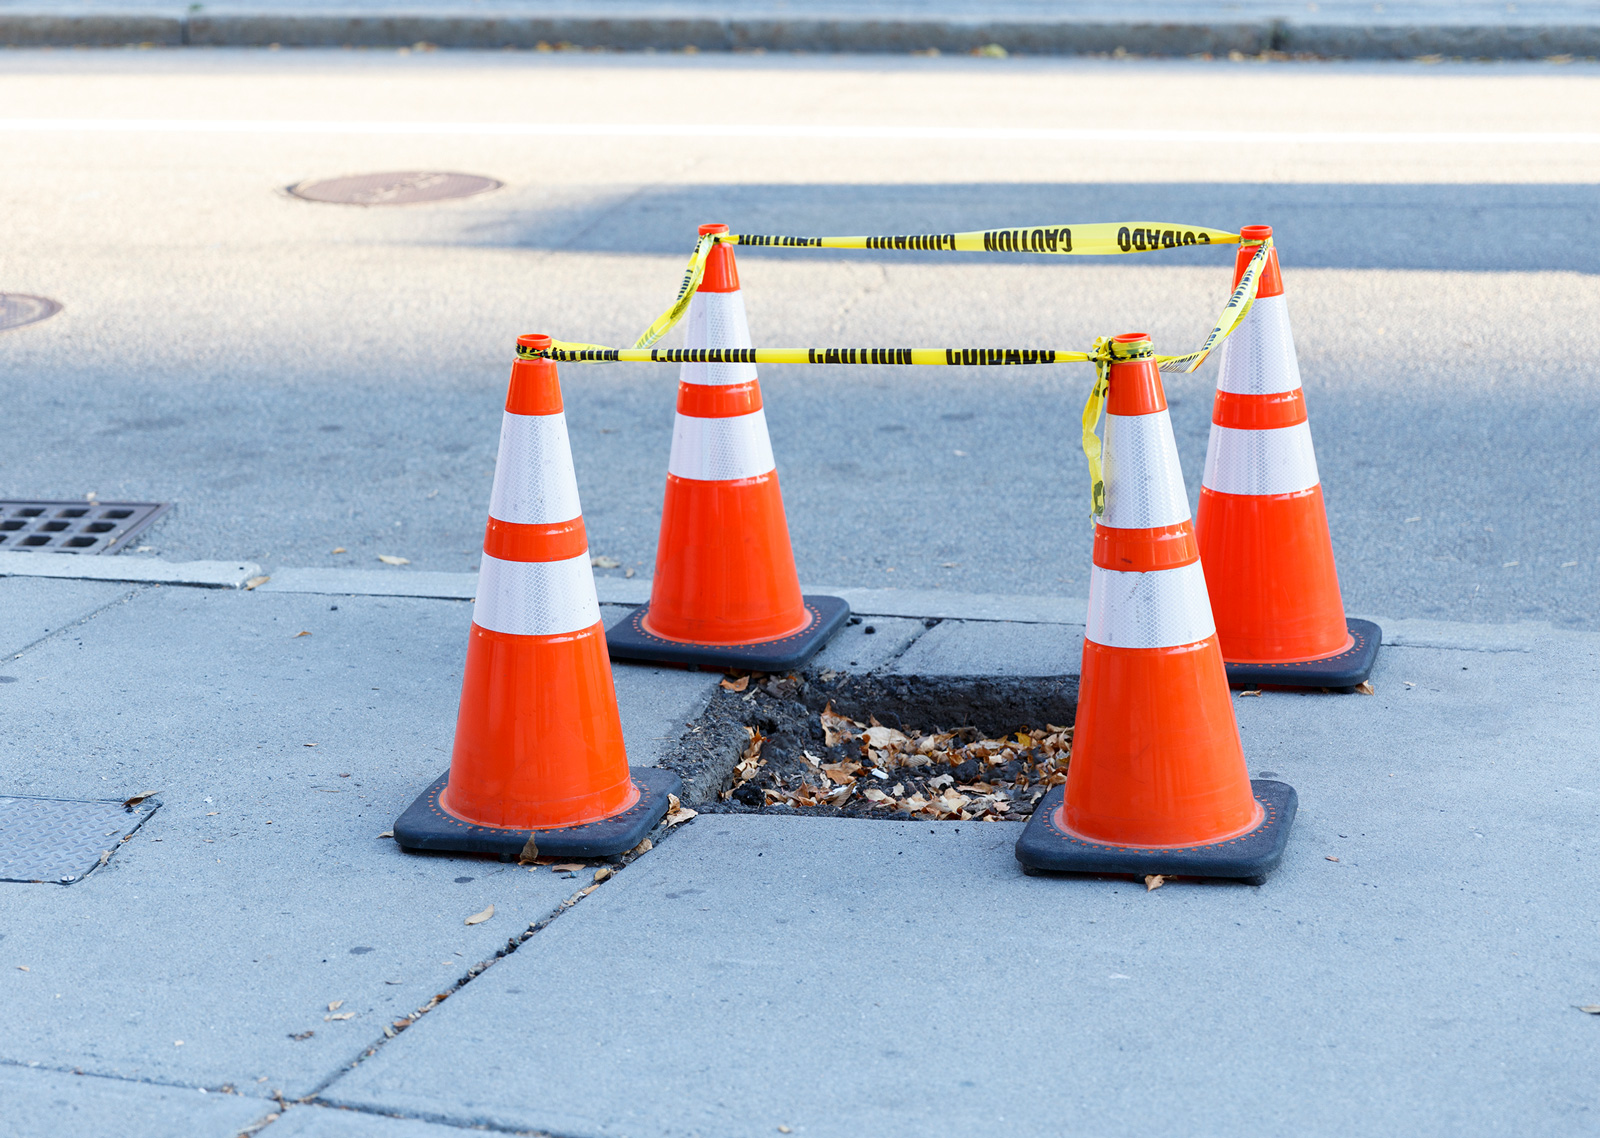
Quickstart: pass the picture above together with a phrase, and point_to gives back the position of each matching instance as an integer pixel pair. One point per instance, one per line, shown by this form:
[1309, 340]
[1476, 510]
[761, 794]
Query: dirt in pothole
[790, 756]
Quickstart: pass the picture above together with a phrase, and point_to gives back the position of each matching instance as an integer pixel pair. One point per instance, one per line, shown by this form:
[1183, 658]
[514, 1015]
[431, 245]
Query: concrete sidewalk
[1332, 28]
[1414, 967]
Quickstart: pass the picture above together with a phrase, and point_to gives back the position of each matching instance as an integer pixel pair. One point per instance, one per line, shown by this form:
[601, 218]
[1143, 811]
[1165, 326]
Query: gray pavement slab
[313, 1121]
[987, 648]
[31, 608]
[261, 891]
[1415, 966]
[855, 649]
[36, 1101]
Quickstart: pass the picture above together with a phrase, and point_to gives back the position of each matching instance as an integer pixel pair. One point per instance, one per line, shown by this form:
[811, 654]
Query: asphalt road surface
[299, 377]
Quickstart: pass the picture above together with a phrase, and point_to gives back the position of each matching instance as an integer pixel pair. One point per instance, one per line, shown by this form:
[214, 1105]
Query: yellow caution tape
[1096, 239]
[1083, 239]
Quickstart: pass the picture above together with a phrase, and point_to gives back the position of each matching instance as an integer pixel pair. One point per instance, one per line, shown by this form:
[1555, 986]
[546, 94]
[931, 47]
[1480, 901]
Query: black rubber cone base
[426, 826]
[1346, 670]
[629, 640]
[1044, 845]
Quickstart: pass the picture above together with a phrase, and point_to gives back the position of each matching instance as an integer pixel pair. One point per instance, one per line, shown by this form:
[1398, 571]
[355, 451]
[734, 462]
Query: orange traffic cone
[539, 765]
[725, 592]
[1262, 526]
[1157, 783]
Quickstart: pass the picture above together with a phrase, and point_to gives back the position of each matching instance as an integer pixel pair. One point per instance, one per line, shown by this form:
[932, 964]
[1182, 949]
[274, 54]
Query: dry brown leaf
[335, 1005]
[341, 1016]
[568, 867]
[873, 794]
[23, 968]
[137, 798]
[256, 582]
[604, 562]
[341, 549]
[391, 559]
[479, 918]
[836, 728]
[299, 634]
[1253, 691]
[643, 847]
[884, 738]
[387, 834]
[731, 684]
[1365, 688]
[681, 814]
[604, 873]
[530, 850]
[1153, 881]
[1329, 858]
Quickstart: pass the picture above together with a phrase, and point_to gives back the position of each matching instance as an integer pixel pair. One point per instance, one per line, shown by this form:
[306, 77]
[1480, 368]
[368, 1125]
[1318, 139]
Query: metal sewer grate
[74, 527]
[17, 309]
[60, 840]
[409, 187]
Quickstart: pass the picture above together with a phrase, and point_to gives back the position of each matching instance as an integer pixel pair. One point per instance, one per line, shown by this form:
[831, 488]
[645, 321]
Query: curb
[1398, 41]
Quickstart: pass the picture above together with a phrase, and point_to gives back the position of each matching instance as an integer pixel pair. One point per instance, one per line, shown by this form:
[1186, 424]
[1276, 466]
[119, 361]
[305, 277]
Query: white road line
[797, 130]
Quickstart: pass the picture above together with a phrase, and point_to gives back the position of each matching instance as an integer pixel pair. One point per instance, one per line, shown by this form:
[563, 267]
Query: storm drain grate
[74, 527]
[17, 309]
[60, 840]
[408, 187]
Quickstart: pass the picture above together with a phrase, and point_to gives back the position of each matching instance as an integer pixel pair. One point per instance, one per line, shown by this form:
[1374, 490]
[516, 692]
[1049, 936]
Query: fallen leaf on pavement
[302, 1036]
[256, 582]
[105, 856]
[137, 798]
[530, 850]
[605, 562]
[1252, 691]
[342, 1015]
[1326, 858]
[479, 918]
[604, 872]
[23, 968]
[336, 1005]
[568, 867]
[644, 847]
[387, 834]
[681, 814]
[299, 634]
[1591, 1009]
[391, 559]
[731, 684]
[1153, 881]
[340, 549]
[1365, 687]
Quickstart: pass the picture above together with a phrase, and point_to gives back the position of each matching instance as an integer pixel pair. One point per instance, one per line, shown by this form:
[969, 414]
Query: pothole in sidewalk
[77, 526]
[884, 747]
[405, 187]
[18, 309]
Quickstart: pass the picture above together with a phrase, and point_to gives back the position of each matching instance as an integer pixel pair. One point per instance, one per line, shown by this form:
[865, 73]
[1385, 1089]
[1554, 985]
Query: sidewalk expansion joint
[604, 872]
[123, 599]
[59, 1069]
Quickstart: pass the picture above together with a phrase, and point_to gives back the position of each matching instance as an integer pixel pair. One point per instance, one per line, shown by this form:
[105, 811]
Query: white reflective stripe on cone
[714, 450]
[1279, 461]
[1144, 484]
[533, 479]
[536, 598]
[716, 320]
[1259, 359]
[1161, 609]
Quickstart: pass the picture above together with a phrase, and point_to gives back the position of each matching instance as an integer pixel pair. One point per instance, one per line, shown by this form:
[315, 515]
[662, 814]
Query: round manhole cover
[405, 188]
[17, 309]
